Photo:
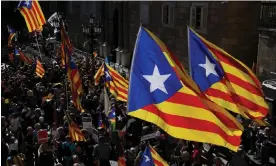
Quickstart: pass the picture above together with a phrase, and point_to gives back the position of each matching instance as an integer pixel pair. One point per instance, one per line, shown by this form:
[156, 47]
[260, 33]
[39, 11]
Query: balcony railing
[268, 15]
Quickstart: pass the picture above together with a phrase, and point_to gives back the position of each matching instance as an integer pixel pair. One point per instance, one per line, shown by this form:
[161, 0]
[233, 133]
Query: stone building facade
[230, 25]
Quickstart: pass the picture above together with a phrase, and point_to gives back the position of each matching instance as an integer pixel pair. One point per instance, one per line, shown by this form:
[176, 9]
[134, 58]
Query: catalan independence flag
[39, 70]
[11, 35]
[151, 158]
[161, 92]
[116, 83]
[224, 79]
[75, 132]
[100, 122]
[33, 15]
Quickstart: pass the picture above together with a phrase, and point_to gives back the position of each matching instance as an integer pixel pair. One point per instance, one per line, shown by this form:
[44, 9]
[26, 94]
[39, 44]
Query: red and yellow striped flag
[24, 58]
[33, 15]
[238, 89]
[121, 161]
[75, 132]
[39, 69]
[158, 160]
[116, 83]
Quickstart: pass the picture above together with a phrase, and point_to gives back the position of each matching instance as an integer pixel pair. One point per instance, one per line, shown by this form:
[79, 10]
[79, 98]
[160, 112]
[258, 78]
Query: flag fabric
[39, 70]
[99, 74]
[121, 161]
[22, 57]
[161, 92]
[48, 97]
[95, 54]
[151, 158]
[112, 119]
[72, 70]
[100, 122]
[224, 79]
[33, 15]
[116, 83]
[11, 36]
[75, 132]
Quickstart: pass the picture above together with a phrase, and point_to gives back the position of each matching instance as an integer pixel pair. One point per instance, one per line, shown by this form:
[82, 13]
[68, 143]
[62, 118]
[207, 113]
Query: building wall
[266, 54]
[232, 26]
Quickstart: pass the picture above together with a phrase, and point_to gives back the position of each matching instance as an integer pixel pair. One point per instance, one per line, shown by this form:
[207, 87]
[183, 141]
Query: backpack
[67, 151]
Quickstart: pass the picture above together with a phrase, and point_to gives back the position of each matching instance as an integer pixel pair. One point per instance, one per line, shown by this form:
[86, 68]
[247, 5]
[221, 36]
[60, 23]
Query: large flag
[116, 83]
[161, 92]
[39, 70]
[33, 15]
[11, 35]
[224, 79]
[151, 158]
[75, 132]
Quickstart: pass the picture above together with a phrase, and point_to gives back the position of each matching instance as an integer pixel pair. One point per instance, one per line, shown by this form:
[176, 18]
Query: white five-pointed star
[147, 158]
[27, 2]
[209, 67]
[107, 74]
[156, 80]
[114, 113]
[120, 118]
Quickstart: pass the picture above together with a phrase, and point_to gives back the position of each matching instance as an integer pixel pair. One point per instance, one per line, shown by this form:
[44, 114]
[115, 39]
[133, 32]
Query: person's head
[101, 140]
[54, 126]
[41, 119]
[30, 130]
[37, 126]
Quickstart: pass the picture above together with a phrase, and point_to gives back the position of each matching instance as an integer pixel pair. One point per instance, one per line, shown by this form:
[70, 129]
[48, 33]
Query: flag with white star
[33, 15]
[161, 92]
[224, 79]
[151, 158]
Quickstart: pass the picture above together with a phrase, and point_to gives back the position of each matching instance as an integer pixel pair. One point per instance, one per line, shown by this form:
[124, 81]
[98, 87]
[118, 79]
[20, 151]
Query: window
[167, 15]
[198, 17]
[144, 12]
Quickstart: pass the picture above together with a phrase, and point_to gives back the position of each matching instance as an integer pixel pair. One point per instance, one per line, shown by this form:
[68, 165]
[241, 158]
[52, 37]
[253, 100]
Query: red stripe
[234, 98]
[119, 88]
[29, 11]
[28, 18]
[157, 162]
[236, 80]
[232, 62]
[116, 91]
[194, 101]
[193, 124]
[118, 77]
[38, 11]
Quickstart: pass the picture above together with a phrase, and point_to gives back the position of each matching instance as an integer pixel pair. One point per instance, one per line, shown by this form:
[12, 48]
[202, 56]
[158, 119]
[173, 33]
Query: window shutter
[204, 17]
[144, 13]
[165, 14]
[192, 16]
[171, 15]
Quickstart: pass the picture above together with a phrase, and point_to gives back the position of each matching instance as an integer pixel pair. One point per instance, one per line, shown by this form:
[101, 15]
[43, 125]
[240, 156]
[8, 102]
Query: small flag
[112, 119]
[150, 158]
[75, 132]
[121, 161]
[22, 57]
[48, 97]
[39, 69]
[33, 15]
[16, 52]
[11, 36]
[100, 122]
[95, 54]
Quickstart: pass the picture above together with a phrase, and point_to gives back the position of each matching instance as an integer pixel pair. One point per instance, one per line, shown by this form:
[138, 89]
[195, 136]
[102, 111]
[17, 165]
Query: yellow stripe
[117, 84]
[31, 19]
[235, 107]
[182, 133]
[35, 19]
[119, 75]
[27, 23]
[40, 10]
[238, 73]
[157, 157]
[212, 106]
[37, 11]
[116, 90]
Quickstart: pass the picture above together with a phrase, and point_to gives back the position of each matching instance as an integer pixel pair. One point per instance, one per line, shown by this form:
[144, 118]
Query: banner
[42, 136]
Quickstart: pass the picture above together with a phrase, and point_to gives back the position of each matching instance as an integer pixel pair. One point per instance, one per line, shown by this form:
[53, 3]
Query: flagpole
[189, 56]
[38, 46]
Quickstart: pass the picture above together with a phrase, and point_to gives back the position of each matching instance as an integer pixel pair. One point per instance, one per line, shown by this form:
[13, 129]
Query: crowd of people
[25, 111]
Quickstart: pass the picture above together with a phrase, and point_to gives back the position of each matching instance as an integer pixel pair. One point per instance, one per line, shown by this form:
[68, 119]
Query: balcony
[268, 16]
